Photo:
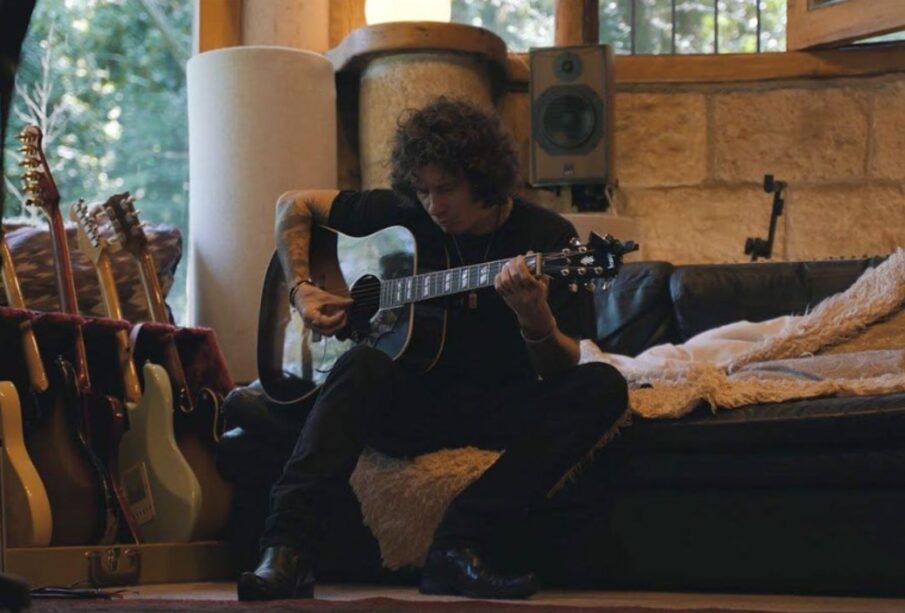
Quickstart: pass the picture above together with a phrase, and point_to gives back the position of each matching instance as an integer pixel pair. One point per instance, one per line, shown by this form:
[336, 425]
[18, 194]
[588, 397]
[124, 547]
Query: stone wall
[691, 159]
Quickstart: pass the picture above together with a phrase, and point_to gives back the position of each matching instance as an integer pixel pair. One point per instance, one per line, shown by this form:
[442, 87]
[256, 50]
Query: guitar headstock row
[41, 191]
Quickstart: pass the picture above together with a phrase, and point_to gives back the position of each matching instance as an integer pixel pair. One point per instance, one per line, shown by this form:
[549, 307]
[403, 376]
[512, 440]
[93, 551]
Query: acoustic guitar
[163, 492]
[197, 415]
[102, 416]
[397, 285]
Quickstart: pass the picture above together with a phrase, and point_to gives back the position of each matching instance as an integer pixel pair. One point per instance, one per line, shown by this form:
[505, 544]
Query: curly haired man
[508, 376]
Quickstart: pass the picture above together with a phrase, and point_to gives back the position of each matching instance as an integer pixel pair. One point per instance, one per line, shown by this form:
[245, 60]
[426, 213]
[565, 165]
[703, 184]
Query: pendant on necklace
[472, 300]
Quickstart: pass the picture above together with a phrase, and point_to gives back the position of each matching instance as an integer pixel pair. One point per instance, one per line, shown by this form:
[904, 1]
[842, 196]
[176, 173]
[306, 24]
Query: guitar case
[116, 564]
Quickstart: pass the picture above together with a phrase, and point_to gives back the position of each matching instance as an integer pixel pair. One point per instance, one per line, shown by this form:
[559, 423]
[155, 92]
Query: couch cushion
[708, 296]
[829, 423]
[636, 311]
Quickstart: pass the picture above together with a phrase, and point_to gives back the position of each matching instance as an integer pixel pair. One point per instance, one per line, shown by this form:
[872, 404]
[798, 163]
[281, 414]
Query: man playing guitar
[507, 377]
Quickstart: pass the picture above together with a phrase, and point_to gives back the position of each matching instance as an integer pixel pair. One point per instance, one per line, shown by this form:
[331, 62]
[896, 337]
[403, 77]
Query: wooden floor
[227, 591]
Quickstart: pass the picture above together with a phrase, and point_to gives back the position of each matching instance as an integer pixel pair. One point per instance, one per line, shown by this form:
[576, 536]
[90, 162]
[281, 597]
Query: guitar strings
[368, 296]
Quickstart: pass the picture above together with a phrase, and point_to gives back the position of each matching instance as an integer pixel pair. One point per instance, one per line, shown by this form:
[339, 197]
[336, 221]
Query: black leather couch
[794, 497]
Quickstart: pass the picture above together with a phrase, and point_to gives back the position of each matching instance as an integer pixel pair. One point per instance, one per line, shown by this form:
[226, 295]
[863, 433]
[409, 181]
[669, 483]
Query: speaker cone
[569, 119]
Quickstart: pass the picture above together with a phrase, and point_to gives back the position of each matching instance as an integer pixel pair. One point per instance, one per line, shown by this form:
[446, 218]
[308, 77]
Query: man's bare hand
[526, 295]
[322, 311]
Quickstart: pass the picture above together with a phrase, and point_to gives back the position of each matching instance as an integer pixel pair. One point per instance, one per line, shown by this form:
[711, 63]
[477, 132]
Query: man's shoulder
[382, 196]
[542, 217]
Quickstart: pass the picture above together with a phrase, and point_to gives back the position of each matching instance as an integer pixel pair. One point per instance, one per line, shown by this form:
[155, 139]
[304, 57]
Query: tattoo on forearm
[293, 231]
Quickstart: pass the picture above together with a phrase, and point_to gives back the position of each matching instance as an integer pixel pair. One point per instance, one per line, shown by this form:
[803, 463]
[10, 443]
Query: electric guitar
[198, 423]
[163, 492]
[102, 417]
[29, 520]
[394, 283]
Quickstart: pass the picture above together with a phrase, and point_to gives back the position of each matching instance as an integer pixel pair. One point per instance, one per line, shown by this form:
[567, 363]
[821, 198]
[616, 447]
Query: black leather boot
[460, 570]
[279, 575]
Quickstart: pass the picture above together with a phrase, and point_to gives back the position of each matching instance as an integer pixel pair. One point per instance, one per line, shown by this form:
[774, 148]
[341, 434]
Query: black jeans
[368, 400]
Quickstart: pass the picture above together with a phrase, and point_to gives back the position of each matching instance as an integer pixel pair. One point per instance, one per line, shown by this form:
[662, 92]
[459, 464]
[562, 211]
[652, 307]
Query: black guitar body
[294, 360]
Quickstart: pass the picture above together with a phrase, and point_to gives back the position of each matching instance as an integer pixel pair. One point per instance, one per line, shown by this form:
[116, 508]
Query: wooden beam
[345, 16]
[577, 22]
[402, 37]
[219, 24]
[812, 23]
[740, 67]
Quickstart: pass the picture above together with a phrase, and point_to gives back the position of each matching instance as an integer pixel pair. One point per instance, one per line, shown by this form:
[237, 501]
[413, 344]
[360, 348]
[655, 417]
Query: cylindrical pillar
[262, 120]
[393, 83]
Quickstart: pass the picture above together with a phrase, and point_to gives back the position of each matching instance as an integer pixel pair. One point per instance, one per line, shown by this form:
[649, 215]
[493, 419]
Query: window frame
[823, 23]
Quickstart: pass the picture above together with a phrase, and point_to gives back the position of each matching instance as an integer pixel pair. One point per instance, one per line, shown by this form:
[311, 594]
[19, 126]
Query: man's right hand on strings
[322, 311]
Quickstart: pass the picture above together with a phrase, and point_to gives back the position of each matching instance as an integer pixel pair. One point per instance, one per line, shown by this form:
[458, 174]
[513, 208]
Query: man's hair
[462, 140]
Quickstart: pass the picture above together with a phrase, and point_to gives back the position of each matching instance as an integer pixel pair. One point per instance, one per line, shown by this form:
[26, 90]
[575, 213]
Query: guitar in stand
[102, 416]
[394, 309]
[163, 492]
[197, 416]
[29, 520]
[81, 503]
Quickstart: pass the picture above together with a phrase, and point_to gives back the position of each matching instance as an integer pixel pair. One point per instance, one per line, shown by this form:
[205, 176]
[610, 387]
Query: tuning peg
[581, 271]
[590, 286]
[598, 270]
[573, 287]
[575, 242]
[565, 272]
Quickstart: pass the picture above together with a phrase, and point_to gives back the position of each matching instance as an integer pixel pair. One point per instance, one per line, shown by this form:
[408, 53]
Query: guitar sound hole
[366, 294]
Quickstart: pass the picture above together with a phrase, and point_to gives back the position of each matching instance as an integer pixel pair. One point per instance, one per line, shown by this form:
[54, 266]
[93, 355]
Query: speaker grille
[569, 119]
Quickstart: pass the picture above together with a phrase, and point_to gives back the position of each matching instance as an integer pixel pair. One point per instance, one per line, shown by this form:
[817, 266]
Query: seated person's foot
[280, 575]
[460, 570]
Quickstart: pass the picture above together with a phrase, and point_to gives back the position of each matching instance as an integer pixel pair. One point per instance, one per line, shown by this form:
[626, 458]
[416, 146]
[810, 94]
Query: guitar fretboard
[405, 290]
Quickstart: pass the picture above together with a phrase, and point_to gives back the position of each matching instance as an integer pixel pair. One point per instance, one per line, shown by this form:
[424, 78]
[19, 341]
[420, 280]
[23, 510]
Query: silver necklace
[473, 295]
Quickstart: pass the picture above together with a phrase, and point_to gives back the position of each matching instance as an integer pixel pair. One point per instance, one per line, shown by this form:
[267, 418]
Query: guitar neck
[131, 386]
[65, 278]
[148, 271]
[37, 376]
[153, 293]
[66, 288]
[406, 290]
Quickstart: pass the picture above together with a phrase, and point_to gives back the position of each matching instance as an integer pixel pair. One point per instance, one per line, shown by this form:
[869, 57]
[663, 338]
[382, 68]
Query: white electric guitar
[163, 493]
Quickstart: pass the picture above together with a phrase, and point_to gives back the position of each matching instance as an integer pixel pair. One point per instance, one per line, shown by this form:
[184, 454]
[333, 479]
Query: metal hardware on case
[114, 566]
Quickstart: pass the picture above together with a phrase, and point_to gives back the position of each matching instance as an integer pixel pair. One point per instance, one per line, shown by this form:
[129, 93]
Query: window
[642, 26]
[693, 26]
[522, 24]
[105, 81]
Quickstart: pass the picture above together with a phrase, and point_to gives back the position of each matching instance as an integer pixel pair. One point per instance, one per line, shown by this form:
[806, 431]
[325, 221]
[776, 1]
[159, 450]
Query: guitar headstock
[38, 182]
[585, 264]
[124, 217]
[91, 243]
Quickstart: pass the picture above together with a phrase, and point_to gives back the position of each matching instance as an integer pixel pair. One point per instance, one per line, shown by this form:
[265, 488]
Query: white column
[262, 120]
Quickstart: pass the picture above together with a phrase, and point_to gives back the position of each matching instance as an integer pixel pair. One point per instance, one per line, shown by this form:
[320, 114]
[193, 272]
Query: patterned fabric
[33, 258]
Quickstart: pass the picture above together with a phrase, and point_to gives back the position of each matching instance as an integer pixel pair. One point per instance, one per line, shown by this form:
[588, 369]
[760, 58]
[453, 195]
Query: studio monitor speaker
[572, 115]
